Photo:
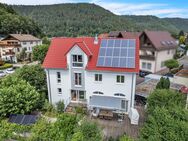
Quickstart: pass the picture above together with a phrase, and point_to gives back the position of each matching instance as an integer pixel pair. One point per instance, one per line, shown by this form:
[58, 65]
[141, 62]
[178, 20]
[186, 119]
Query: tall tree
[40, 52]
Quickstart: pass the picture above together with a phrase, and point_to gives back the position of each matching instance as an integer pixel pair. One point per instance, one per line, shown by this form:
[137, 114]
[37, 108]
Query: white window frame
[78, 81]
[122, 79]
[98, 77]
[75, 61]
[58, 77]
[149, 64]
[59, 91]
[144, 64]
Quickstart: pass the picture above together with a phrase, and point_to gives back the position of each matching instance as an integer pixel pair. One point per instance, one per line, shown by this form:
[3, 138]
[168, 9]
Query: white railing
[67, 102]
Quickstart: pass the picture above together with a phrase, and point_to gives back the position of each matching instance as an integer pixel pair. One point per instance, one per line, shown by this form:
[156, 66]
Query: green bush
[167, 117]
[17, 96]
[60, 107]
[6, 66]
[48, 107]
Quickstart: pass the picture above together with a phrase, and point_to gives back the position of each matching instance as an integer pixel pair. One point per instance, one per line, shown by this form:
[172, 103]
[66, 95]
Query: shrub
[60, 107]
[6, 66]
[17, 96]
[164, 83]
[48, 107]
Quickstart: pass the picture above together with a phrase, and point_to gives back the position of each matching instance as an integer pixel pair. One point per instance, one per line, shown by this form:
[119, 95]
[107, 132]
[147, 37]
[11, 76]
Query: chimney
[96, 40]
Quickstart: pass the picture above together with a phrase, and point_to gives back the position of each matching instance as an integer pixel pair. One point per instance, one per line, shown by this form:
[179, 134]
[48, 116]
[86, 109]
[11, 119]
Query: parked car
[2, 73]
[169, 75]
[144, 73]
[10, 71]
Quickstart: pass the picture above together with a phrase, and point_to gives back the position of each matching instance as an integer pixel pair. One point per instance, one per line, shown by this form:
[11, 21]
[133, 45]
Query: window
[24, 43]
[149, 66]
[120, 79]
[98, 77]
[98, 92]
[143, 65]
[81, 95]
[78, 78]
[58, 77]
[124, 105]
[77, 61]
[59, 90]
[31, 42]
[119, 94]
[162, 64]
[18, 49]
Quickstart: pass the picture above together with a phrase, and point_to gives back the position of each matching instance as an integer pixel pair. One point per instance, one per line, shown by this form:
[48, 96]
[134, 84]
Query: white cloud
[119, 8]
[157, 9]
[37, 2]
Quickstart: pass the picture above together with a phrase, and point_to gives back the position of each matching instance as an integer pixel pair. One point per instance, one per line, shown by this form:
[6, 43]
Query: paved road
[184, 61]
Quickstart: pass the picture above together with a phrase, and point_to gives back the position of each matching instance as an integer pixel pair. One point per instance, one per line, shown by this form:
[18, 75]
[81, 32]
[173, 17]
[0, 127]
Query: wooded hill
[11, 22]
[89, 19]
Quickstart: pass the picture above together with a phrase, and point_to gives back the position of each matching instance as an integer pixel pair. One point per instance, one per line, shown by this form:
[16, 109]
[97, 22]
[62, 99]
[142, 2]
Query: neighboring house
[155, 48]
[100, 72]
[13, 44]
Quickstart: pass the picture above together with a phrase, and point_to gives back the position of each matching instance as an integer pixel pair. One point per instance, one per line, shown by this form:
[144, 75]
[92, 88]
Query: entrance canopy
[106, 102]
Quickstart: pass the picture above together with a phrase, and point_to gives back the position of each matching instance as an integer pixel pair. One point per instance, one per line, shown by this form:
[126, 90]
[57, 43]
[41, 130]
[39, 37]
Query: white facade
[158, 63]
[10, 52]
[28, 45]
[108, 86]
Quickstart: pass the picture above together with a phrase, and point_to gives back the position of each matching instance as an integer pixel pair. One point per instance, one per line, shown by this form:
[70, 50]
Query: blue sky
[160, 8]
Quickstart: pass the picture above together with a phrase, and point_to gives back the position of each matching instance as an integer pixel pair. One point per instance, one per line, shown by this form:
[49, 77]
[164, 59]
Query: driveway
[184, 61]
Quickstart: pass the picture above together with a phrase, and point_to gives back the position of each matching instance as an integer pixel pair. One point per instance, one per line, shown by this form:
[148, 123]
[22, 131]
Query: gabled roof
[161, 40]
[124, 34]
[23, 37]
[56, 55]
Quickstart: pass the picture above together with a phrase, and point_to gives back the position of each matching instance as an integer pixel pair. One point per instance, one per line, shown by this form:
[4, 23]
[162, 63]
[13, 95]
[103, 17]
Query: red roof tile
[56, 56]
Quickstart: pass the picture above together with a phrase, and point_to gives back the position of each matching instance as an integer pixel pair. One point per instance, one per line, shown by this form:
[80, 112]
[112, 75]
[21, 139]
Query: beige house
[155, 48]
[12, 45]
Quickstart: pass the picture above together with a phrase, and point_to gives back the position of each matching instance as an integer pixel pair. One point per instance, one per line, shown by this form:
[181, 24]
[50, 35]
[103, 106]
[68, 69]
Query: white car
[2, 73]
[10, 71]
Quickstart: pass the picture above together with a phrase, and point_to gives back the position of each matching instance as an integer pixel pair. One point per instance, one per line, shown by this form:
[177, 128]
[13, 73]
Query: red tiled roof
[56, 56]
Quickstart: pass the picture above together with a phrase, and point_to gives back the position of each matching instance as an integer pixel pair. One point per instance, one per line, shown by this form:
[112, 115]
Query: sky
[160, 8]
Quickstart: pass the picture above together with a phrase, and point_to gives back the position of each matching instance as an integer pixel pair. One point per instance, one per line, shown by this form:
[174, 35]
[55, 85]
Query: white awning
[106, 102]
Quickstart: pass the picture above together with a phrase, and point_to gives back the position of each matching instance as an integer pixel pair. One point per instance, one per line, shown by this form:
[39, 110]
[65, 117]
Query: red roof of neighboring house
[56, 56]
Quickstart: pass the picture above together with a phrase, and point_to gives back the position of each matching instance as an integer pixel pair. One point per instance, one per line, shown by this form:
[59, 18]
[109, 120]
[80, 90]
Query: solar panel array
[118, 53]
[23, 119]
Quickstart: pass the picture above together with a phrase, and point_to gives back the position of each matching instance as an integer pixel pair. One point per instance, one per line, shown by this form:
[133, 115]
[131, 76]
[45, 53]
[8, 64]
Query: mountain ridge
[86, 19]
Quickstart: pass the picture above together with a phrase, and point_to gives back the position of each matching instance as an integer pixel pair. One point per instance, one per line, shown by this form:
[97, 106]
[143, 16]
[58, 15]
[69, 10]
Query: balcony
[147, 57]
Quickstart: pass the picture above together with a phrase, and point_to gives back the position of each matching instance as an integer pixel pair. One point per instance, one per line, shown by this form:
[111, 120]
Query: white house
[100, 72]
[11, 45]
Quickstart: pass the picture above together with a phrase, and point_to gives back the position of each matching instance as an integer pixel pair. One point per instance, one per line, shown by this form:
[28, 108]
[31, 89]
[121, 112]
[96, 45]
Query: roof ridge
[87, 48]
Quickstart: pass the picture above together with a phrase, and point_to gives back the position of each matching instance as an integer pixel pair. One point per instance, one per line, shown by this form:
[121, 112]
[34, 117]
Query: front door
[77, 95]
[73, 95]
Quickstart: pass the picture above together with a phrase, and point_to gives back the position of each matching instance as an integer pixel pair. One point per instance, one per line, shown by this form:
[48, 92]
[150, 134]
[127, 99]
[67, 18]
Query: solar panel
[118, 53]
[23, 119]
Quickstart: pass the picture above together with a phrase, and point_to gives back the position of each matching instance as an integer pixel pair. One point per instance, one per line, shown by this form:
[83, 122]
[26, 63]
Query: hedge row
[5, 66]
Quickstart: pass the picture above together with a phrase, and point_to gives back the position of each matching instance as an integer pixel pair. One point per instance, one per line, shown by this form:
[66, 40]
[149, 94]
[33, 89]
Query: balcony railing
[147, 57]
